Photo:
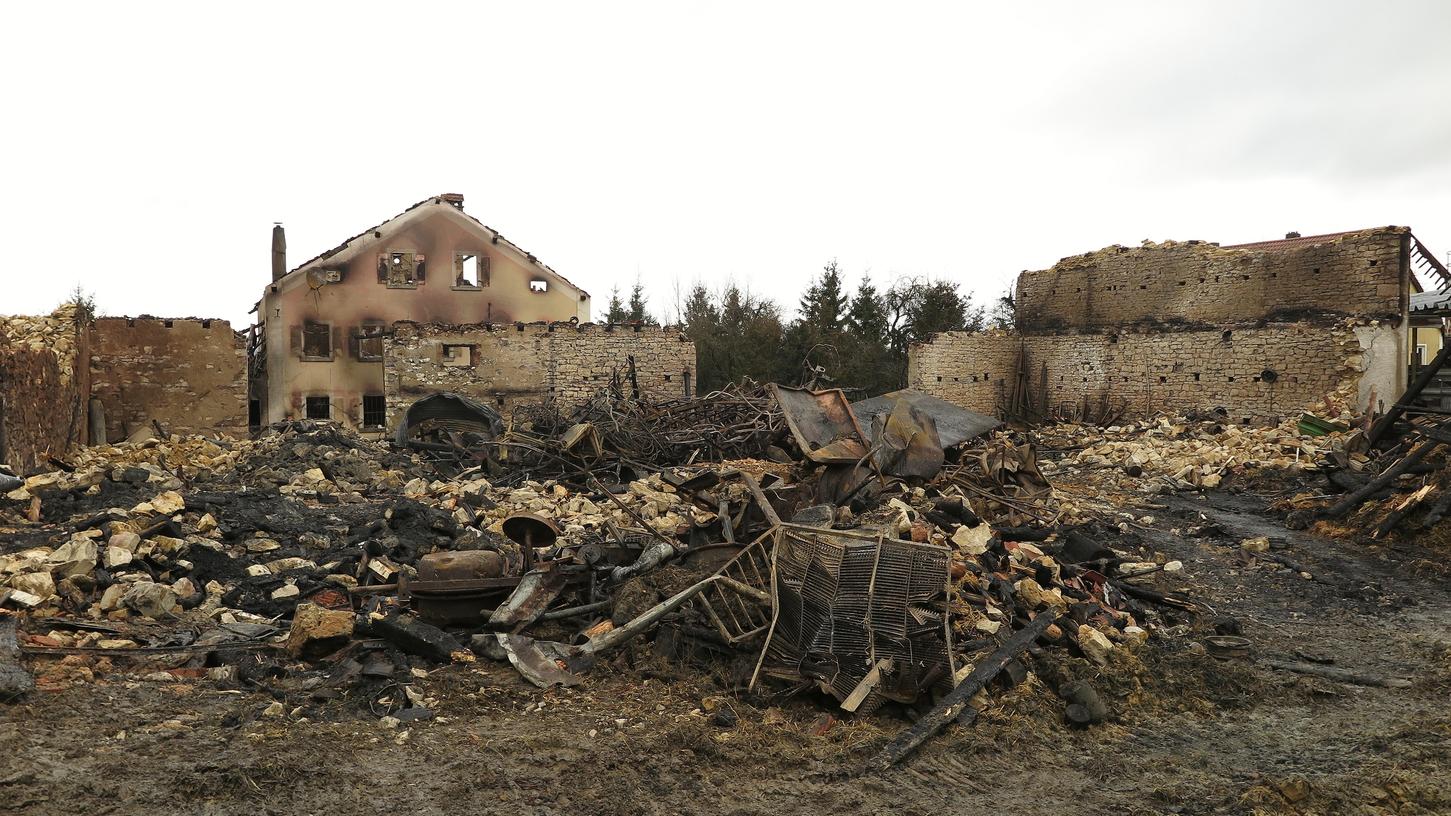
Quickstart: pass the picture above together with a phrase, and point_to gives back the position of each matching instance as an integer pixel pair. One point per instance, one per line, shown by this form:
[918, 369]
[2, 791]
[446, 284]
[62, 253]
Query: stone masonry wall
[1363, 273]
[1253, 372]
[189, 375]
[43, 383]
[513, 364]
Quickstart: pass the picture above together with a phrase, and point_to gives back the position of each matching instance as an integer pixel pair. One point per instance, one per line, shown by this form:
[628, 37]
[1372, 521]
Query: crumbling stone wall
[44, 380]
[528, 363]
[187, 374]
[1362, 273]
[1273, 370]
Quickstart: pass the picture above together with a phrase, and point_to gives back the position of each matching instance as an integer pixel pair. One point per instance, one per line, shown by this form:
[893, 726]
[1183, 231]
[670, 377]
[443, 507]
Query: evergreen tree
[866, 361]
[737, 335]
[866, 318]
[616, 311]
[637, 313]
[862, 340]
[824, 304]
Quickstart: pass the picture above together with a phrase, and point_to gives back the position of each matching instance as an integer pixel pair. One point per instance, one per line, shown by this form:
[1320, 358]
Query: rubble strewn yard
[605, 613]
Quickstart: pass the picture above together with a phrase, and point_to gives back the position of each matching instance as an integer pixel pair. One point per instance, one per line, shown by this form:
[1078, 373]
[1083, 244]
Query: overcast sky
[150, 147]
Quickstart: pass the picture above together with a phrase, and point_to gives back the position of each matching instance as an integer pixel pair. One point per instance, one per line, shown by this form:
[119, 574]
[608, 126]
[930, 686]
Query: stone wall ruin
[187, 374]
[511, 364]
[1262, 331]
[44, 380]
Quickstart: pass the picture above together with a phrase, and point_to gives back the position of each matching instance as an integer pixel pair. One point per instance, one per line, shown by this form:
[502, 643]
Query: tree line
[853, 339]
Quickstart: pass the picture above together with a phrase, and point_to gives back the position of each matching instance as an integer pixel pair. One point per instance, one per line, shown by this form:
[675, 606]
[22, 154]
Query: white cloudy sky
[151, 146]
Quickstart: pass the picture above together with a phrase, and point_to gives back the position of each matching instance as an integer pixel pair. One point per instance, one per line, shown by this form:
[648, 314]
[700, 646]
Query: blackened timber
[1422, 380]
[1354, 500]
[955, 703]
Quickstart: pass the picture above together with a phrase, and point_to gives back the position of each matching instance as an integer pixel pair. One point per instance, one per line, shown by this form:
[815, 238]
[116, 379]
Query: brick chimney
[456, 199]
[279, 252]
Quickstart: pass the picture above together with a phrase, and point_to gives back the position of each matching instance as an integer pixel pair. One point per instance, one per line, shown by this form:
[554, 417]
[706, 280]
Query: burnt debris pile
[897, 550]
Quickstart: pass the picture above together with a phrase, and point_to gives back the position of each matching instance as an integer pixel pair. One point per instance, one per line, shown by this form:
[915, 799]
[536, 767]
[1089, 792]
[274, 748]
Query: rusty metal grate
[845, 601]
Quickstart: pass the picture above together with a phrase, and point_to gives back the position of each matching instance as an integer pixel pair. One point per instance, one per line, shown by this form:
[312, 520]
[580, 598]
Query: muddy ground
[1188, 733]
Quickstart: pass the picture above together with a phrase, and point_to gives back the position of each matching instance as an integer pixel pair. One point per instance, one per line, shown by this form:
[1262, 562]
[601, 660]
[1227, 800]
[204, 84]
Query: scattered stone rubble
[1167, 454]
[312, 552]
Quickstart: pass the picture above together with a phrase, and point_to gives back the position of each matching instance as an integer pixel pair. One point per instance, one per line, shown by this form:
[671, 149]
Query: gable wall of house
[359, 298]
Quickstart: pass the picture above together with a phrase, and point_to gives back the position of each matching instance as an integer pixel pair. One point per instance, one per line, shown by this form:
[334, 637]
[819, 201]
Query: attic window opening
[538, 285]
[319, 408]
[401, 269]
[470, 270]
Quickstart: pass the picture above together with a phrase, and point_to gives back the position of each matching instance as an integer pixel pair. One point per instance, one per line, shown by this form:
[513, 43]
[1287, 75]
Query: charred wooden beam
[1422, 380]
[1354, 499]
[955, 703]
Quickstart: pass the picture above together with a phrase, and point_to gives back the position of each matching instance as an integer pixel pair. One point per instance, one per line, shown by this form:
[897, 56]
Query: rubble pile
[56, 332]
[1184, 453]
[866, 565]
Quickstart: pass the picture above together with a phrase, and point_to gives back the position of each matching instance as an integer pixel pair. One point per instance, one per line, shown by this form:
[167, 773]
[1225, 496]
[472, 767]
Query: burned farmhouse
[428, 527]
[433, 300]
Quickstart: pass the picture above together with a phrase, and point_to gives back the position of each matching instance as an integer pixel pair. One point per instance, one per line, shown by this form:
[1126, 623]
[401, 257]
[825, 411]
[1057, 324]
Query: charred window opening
[370, 342]
[319, 408]
[539, 285]
[458, 356]
[317, 341]
[375, 411]
[470, 270]
[400, 269]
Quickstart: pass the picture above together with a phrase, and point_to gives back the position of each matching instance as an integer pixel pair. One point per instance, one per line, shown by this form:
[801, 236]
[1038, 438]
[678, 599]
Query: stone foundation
[506, 365]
